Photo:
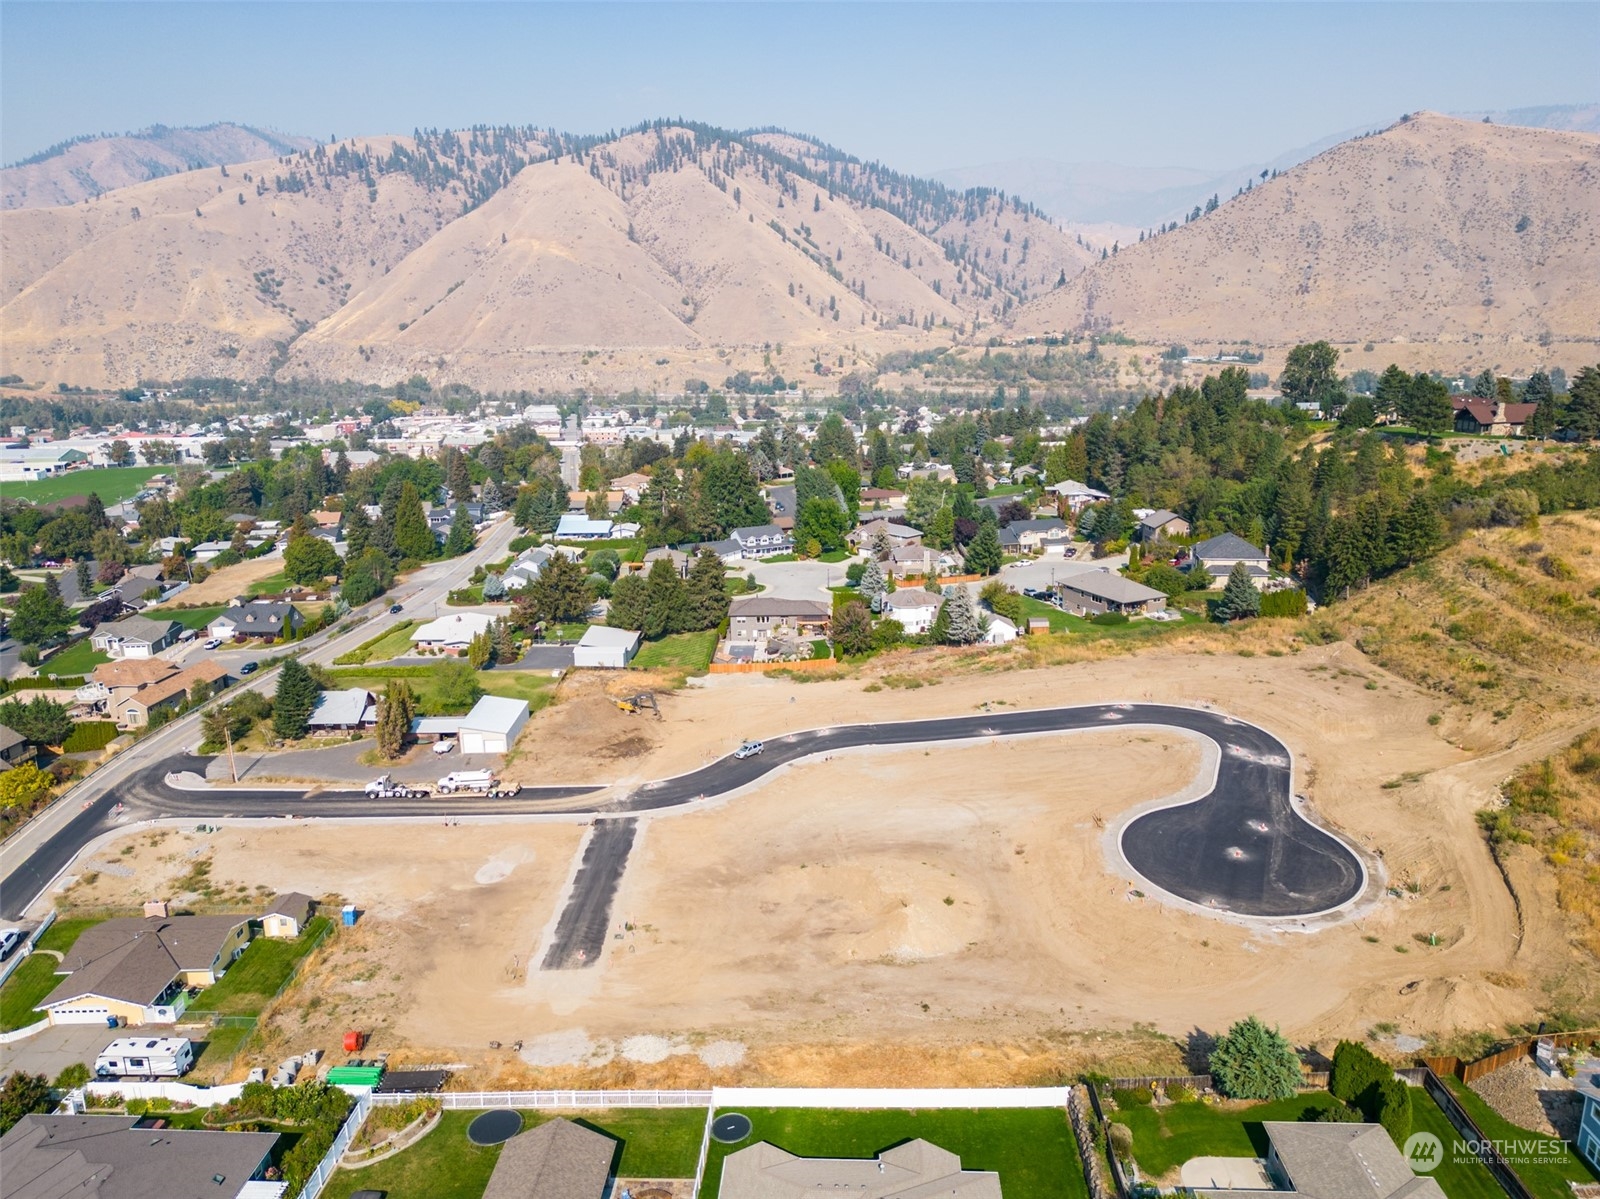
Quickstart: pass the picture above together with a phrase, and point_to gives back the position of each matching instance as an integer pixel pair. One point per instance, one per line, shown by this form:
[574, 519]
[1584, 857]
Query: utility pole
[227, 737]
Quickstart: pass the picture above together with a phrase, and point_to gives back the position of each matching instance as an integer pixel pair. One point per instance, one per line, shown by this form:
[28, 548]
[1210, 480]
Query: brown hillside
[95, 165]
[1434, 230]
[632, 262]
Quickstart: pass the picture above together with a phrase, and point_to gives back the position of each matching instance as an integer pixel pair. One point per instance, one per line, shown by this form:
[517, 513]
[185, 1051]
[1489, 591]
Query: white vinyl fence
[549, 1100]
[330, 1160]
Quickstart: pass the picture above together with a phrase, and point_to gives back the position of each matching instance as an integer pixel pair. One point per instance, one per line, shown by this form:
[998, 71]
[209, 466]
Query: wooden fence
[919, 580]
[763, 667]
[1470, 1071]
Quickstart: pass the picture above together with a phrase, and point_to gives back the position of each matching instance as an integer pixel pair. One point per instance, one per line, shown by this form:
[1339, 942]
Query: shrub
[1289, 602]
[1121, 1138]
[1339, 1113]
[1131, 1096]
[1255, 1062]
[89, 735]
[1393, 1109]
[1356, 1071]
[72, 1077]
[1178, 1093]
[526, 542]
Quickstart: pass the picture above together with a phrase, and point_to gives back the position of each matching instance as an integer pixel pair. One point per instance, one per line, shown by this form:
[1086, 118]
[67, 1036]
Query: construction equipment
[638, 703]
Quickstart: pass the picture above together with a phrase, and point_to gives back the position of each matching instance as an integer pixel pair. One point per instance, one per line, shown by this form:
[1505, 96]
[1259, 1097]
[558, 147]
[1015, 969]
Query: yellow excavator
[634, 704]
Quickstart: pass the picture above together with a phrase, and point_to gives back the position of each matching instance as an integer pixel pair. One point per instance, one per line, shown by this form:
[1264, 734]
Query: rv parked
[145, 1057]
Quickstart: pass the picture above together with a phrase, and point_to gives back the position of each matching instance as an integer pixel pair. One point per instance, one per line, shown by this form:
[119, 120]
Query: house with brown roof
[140, 968]
[1494, 417]
[287, 915]
[557, 1160]
[132, 709]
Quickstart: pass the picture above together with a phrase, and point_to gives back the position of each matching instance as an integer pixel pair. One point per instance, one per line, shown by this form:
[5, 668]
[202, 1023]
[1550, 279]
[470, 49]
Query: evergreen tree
[85, 579]
[505, 645]
[1255, 1062]
[708, 591]
[308, 559]
[1240, 599]
[366, 577]
[480, 650]
[294, 700]
[39, 615]
[395, 714]
[1394, 387]
[1417, 531]
[983, 551]
[729, 486]
[667, 601]
[1428, 407]
[462, 537]
[494, 587]
[381, 540]
[1583, 404]
[560, 594]
[412, 536]
[963, 625]
[873, 584]
[630, 599]
[1483, 385]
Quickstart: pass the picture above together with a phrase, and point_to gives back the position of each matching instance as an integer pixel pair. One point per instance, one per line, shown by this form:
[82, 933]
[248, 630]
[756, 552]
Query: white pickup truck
[466, 780]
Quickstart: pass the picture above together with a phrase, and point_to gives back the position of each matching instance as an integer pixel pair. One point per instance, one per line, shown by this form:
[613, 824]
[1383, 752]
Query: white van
[145, 1057]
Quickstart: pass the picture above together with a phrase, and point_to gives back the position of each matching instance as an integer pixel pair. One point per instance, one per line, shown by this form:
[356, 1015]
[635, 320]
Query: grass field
[28, 984]
[77, 659]
[393, 644]
[1166, 1137]
[63, 934]
[190, 618]
[537, 687]
[112, 484]
[1542, 1178]
[259, 973]
[275, 582]
[690, 652]
[834, 556]
[220, 1046]
[1460, 1175]
[445, 1165]
[1032, 1148]
[1062, 622]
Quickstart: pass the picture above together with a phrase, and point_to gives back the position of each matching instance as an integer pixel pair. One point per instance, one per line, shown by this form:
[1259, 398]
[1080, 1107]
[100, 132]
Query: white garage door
[81, 1015]
[482, 743]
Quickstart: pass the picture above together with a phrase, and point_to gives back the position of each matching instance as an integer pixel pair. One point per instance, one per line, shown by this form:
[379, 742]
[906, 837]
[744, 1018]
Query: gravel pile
[1523, 1094]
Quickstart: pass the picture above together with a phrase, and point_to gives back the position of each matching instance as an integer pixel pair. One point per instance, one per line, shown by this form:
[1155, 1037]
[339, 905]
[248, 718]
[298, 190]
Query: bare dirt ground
[939, 914]
[223, 585]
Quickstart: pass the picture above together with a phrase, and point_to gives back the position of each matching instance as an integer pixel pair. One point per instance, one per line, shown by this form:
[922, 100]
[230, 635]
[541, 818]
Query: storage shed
[492, 725]
[606, 647]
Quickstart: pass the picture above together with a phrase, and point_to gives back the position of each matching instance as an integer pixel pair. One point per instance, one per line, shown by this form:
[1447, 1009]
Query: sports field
[112, 484]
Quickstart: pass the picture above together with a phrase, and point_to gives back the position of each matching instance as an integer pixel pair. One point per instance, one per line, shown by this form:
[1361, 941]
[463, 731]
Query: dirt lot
[223, 585]
[915, 915]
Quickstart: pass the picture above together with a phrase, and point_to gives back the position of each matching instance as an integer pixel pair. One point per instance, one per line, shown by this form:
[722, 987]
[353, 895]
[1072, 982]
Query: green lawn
[271, 584]
[189, 618]
[112, 484]
[834, 556]
[537, 687]
[1062, 622]
[1460, 1175]
[77, 659]
[220, 1046]
[394, 643]
[445, 1165]
[680, 651]
[28, 984]
[1166, 1137]
[1032, 607]
[257, 976]
[63, 934]
[1542, 1178]
[1032, 1148]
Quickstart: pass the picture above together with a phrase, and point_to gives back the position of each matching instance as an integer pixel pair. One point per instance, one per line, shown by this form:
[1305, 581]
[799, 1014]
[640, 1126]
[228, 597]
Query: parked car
[249, 668]
[9, 939]
[213, 643]
[749, 749]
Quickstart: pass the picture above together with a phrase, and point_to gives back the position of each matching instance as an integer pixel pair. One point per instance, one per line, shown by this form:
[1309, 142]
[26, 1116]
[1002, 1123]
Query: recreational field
[445, 1165]
[1033, 1149]
[112, 484]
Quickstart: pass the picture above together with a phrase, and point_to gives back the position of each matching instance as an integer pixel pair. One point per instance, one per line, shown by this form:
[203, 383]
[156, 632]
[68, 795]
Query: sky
[921, 87]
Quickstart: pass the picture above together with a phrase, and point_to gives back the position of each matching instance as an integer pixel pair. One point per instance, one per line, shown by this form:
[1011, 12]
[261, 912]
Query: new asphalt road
[1240, 848]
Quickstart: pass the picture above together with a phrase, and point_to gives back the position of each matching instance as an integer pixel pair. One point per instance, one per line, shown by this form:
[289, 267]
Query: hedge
[1288, 602]
[89, 735]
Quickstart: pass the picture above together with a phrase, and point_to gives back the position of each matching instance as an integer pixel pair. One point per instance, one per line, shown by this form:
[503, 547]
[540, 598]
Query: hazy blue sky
[920, 86]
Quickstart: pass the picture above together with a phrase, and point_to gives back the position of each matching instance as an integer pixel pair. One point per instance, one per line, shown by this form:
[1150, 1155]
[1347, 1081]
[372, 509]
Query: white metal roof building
[352, 708]
[453, 631]
[492, 725]
[606, 647]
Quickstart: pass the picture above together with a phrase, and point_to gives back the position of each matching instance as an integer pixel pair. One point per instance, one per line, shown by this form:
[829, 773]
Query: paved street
[795, 580]
[341, 763]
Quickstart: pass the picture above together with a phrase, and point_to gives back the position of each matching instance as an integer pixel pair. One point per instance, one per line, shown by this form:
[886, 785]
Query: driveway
[542, 657]
[1040, 573]
[53, 1050]
[796, 580]
[341, 764]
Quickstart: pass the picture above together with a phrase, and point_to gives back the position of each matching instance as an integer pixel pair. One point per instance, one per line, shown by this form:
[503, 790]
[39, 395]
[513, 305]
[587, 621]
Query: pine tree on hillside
[963, 626]
[294, 700]
[983, 551]
[666, 601]
[708, 591]
[1240, 599]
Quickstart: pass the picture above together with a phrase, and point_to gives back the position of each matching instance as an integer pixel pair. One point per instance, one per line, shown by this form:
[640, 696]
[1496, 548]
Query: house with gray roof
[140, 968]
[1215, 556]
[1033, 536]
[135, 636]
[1094, 592]
[1336, 1161]
[909, 1171]
[123, 1157]
[264, 619]
[762, 541]
[556, 1160]
[15, 749]
[344, 711]
[1587, 1084]
[757, 619]
[1161, 523]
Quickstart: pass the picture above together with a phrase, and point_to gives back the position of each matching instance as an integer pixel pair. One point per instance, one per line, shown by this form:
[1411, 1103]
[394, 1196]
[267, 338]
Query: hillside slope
[1434, 230]
[89, 166]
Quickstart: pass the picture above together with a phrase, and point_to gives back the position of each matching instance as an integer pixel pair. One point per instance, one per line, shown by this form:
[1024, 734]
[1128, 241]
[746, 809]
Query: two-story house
[1214, 560]
[756, 619]
[257, 618]
[762, 541]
